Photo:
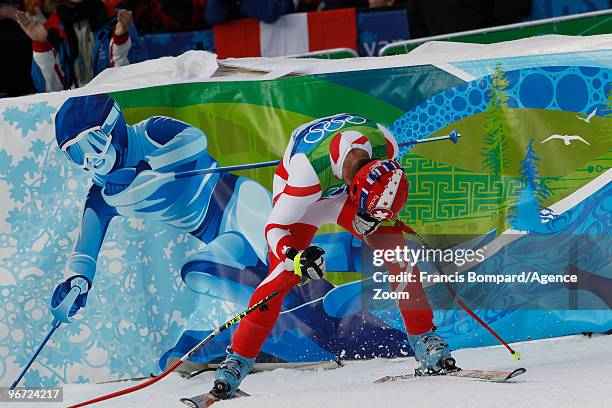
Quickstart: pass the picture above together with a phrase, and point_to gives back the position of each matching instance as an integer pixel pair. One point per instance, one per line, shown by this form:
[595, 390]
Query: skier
[133, 170]
[339, 169]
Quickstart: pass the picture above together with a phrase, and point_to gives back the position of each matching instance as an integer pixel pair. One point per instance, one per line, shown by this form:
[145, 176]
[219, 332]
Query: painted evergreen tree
[528, 212]
[495, 151]
[495, 157]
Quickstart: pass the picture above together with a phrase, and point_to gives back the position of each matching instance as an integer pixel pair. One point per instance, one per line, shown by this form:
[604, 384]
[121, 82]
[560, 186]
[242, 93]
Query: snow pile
[563, 372]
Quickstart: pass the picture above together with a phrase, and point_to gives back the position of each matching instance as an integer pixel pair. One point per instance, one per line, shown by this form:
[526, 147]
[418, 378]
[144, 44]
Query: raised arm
[46, 67]
[121, 43]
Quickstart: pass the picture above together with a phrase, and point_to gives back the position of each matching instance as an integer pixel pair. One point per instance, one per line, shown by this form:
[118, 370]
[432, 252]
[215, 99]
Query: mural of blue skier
[136, 171]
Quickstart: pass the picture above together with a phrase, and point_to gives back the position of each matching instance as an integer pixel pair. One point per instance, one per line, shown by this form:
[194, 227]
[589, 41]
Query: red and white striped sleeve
[301, 190]
[119, 49]
[281, 175]
[279, 181]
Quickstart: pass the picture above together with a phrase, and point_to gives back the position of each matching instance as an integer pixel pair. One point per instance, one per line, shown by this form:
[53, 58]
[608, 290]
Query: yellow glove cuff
[297, 266]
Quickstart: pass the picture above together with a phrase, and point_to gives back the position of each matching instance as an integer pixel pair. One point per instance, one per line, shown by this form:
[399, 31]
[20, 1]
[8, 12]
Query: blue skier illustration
[137, 172]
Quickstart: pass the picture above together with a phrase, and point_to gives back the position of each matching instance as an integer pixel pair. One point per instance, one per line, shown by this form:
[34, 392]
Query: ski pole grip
[61, 311]
[454, 136]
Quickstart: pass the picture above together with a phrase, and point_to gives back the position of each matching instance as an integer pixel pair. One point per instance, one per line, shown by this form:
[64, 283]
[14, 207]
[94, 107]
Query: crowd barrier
[377, 29]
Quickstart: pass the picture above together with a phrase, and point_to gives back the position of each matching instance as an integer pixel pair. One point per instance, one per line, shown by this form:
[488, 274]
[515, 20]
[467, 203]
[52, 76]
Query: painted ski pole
[226, 169]
[515, 354]
[61, 315]
[452, 136]
[259, 305]
[54, 327]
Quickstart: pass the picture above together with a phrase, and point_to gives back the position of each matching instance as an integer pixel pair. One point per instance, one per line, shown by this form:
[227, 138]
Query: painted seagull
[588, 118]
[567, 139]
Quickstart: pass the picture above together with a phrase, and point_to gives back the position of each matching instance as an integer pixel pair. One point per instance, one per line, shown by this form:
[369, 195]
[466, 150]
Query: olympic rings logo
[325, 126]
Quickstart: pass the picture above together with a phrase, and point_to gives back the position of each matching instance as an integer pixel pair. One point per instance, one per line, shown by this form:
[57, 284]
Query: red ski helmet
[380, 189]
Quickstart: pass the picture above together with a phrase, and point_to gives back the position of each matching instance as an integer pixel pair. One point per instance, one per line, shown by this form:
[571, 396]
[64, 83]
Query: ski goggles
[91, 145]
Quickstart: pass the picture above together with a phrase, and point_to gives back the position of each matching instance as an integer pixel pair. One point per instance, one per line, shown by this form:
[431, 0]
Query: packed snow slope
[571, 371]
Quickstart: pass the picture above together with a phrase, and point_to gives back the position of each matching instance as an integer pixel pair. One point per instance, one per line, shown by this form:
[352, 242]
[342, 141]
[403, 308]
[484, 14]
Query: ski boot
[230, 374]
[432, 354]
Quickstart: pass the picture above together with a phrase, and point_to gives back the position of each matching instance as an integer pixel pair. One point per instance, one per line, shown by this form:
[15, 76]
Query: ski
[151, 375]
[483, 375]
[261, 367]
[206, 400]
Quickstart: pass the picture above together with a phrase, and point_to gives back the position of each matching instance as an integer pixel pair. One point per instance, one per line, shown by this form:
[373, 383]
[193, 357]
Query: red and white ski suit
[298, 212]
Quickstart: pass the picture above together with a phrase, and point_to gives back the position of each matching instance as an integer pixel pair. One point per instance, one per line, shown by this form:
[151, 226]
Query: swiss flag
[296, 33]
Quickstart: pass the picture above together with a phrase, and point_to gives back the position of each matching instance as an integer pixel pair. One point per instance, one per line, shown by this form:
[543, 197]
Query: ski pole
[515, 354]
[148, 184]
[226, 169]
[259, 305]
[54, 325]
[60, 312]
[452, 136]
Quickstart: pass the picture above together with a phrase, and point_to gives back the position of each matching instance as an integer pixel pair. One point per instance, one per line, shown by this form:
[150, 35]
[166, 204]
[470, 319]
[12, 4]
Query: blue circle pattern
[570, 88]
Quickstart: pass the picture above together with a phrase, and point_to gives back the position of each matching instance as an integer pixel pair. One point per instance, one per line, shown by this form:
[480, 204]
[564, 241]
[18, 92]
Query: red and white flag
[296, 33]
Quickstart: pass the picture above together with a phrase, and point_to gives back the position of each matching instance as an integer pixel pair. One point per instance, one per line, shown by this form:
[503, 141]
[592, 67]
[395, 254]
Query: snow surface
[570, 371]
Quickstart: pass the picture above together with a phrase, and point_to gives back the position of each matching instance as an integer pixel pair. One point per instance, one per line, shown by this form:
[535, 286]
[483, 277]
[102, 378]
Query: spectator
[156, 16]
[15, 77]
[268, 11]
[434, 17]
[80, 39]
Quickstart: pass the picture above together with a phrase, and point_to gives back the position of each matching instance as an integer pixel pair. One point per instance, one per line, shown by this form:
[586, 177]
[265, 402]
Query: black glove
[311, 262]
[364, 223]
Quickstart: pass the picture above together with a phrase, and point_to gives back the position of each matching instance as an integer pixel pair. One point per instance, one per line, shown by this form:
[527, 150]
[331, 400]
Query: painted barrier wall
[529, 179]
